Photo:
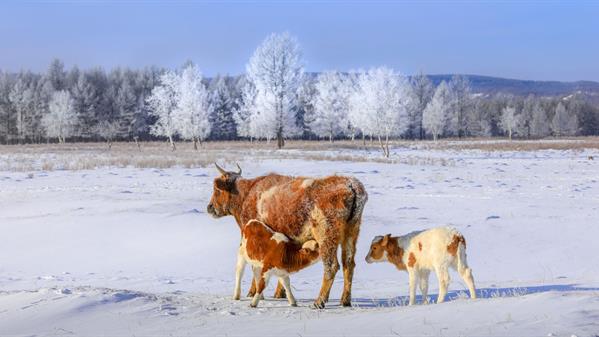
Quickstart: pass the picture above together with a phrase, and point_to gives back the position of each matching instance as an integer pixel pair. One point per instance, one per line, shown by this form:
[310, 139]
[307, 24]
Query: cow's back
[294, 205]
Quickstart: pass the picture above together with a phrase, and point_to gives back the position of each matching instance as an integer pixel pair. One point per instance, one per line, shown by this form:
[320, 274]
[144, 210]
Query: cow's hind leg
[348, 252]
[280, 292]
[328, 253]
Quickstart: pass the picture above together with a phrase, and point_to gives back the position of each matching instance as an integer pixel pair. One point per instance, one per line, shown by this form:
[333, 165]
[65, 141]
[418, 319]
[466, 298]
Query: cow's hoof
[318, 305]
[346, 303]
[236, 298]
[293, 304]
[251, 294]
[252, 305]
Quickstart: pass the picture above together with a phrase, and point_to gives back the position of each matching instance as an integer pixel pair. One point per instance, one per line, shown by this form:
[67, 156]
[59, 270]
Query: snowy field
[131, 251]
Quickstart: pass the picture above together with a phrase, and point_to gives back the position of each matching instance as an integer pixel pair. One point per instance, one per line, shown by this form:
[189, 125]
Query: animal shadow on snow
[457, 294]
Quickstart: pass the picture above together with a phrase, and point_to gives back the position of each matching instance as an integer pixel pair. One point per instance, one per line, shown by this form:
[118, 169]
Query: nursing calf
[272, 253]
[419, 253]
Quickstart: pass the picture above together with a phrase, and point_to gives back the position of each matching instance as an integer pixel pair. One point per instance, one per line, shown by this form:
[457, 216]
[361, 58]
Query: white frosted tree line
[275, 71]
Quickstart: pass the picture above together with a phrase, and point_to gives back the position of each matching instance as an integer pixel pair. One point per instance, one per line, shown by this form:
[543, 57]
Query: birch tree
[276, 71]
[162, 103]
[422, 92]
[563, 123]
[61, 119]
[509, 120]
[382, 96]
[191, 116]
[437, 110]
[331, 105]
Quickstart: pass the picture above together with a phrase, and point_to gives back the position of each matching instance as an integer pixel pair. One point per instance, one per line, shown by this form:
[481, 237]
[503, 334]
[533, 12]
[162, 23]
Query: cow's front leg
[328, 252]
[239, 269]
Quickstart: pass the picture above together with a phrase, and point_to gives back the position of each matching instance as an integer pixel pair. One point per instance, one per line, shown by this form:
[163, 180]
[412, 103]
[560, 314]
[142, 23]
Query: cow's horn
[239, 168]
[220, 169]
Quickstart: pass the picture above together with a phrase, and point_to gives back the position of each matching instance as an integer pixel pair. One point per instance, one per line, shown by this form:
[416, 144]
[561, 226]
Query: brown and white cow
[328, 210]
[272, 253]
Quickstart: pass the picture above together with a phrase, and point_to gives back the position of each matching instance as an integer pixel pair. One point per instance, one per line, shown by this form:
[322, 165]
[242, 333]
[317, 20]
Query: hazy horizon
[528, 41]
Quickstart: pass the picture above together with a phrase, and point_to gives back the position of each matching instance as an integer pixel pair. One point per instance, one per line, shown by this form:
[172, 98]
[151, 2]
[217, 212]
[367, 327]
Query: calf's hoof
[346, 301]
[252, 305]
[251, 293]
[236, 297]
[293, 304]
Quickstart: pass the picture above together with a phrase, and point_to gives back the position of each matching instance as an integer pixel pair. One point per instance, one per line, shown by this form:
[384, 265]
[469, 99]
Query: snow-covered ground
[125, 251]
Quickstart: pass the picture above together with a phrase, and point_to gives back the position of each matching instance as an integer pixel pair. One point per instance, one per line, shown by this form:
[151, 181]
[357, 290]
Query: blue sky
[516, 39]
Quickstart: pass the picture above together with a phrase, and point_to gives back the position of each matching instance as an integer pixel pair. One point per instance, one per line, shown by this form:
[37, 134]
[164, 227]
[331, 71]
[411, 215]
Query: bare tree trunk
[387, 146]
[173, 147]
[136, 139]
[195, 143]
[280, 140]
[382, 146]
[331, 138]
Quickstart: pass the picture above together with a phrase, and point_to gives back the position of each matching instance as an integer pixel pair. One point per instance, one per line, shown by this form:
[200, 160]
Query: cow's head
[378, 249]
[225, 190]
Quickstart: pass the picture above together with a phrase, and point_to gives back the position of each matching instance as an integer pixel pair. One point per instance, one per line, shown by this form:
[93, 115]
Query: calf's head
[379, 249]
[224, 191]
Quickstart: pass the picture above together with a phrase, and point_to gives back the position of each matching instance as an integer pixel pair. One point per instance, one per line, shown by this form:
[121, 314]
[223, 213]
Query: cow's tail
[358, 201]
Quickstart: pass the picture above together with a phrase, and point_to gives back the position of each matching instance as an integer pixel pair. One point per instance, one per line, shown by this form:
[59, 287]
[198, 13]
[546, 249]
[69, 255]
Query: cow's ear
[224, 184]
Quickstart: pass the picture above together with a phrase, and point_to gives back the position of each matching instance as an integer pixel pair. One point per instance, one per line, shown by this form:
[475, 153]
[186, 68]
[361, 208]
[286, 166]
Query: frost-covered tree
[162, 103]
[563, 123]
[382, 96]
[437, 111]
[509, 120]
[61, 119]
[276, 70]
[127, 106]
[191, 116]
[245, 108]
[6, 110]
[331, 105]
[539, 125]
[461, 111]
[21, 96]
[221, 106]
[422, 92]
[108, 131]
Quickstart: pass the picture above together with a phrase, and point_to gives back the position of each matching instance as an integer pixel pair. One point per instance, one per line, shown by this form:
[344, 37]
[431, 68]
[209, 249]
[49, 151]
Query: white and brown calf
[271, 253]
[421, 252]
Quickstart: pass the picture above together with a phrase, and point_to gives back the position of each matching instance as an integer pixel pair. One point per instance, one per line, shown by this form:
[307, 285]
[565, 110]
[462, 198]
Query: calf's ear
[385, 239]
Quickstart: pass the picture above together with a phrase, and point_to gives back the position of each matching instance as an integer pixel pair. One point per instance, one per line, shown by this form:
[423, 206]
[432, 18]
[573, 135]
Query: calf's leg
[413, 278]
[240, 267]
[261, 279]
[287, 285]
[443, 277]
[424, 275]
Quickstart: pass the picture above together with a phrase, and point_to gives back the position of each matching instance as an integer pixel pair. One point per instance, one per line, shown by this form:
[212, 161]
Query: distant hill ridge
[490, 85]
[493, 85]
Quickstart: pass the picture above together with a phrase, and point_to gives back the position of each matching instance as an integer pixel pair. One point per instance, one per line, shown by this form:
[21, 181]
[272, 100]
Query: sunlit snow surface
[124, 251]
